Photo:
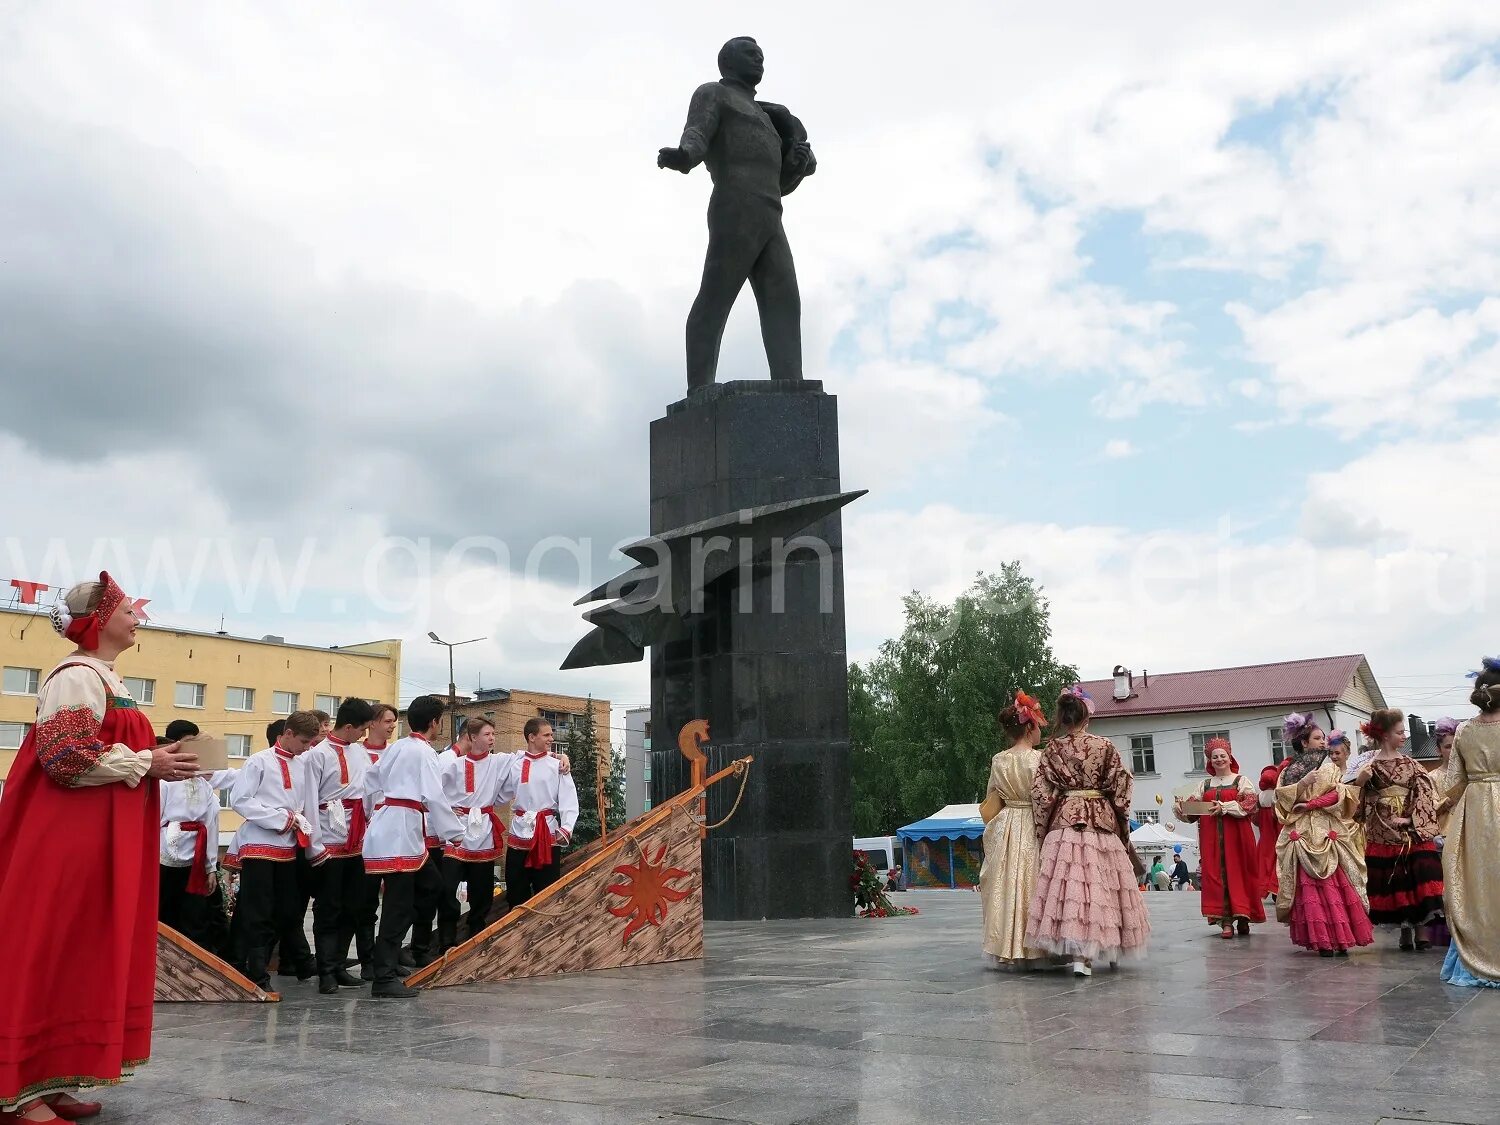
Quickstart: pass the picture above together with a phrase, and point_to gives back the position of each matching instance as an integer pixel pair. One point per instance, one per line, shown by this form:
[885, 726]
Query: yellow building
[509, 708]
[233, 687]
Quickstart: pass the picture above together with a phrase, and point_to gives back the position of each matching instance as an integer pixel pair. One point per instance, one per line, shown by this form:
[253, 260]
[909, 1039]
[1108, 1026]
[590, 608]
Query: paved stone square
[860, 1021]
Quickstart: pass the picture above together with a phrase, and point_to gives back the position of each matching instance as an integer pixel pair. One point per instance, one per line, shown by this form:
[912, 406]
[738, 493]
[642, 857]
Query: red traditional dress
[1227, 853]
[1269, 827]
[78, 887]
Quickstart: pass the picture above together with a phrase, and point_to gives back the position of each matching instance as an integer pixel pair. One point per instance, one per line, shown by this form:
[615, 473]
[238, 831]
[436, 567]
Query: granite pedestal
[765, 661]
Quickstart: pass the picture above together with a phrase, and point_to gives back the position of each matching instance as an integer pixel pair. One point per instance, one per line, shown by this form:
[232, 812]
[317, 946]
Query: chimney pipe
[1124, 682]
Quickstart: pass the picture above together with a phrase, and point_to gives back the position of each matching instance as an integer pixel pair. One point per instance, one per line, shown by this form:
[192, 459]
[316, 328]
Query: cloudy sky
[347, 320]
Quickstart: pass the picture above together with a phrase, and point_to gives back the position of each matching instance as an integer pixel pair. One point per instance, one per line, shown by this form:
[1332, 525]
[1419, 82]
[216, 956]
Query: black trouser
[269, 910]
[341, 883]
[430, 902]
[186, 913]
[521, 882]
[397, 909]
[365, 910]
[480, 876]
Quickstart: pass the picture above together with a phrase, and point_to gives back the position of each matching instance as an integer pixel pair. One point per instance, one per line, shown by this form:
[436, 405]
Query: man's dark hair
[423, 711]
[354, 712]
[273, 731]
[178, 729]
[534, 727]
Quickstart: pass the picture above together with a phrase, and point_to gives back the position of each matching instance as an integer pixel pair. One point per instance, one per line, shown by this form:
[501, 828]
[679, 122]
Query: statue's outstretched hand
[675, 159]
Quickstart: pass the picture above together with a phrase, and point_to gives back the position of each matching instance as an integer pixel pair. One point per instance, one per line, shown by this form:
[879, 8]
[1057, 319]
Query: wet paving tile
[859, 1023]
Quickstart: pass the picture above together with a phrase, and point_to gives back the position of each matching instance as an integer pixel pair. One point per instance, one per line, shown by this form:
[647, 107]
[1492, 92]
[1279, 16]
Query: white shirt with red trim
[194, 801]
[472, 785]
[337, 771]
[271, 788]
[396, 839]
[535, 785]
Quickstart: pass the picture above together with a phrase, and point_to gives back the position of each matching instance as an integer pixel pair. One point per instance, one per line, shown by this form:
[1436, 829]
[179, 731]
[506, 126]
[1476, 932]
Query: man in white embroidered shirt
[405, 799]
[542, 819]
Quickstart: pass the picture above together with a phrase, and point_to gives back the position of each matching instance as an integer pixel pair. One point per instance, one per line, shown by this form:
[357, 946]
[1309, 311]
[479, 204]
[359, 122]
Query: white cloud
[1177, 600]
[1117, 449]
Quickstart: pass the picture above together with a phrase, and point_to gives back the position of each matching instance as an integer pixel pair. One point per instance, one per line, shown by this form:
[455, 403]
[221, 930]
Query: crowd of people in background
[1341, 842]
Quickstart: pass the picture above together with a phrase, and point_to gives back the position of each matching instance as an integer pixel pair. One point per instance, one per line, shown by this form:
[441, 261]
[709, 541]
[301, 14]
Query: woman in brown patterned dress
[1398, 807]
[1087, 904]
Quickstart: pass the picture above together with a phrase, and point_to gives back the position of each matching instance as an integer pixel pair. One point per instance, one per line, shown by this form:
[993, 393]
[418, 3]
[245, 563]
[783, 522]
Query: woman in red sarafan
[1399, 809]
[1226, 845]
[78, 873]
[1269, 827]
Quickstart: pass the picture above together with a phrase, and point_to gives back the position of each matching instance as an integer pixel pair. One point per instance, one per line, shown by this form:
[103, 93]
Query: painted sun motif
[646, 892]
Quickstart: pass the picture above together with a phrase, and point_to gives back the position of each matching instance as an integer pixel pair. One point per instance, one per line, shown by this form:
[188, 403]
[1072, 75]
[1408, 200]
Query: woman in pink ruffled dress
[1087, 906]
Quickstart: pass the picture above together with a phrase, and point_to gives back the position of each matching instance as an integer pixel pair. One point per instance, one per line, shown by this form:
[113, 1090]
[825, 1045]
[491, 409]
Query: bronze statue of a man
[756, 153]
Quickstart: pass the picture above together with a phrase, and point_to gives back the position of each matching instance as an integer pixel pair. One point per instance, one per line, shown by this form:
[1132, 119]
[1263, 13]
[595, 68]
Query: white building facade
[1161, 723]
[637, 760]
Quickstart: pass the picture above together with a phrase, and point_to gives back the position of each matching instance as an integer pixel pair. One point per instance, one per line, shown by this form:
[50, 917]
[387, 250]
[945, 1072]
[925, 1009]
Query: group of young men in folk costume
[334, 814]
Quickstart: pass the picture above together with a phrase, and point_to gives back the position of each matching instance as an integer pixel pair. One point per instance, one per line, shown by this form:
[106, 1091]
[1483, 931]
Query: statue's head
[743, 59]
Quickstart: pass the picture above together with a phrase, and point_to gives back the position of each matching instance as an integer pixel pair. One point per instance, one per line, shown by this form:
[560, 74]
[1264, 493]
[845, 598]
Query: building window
[239, 745]
[142, 691]
[1142, 754]
[239, 699]
[560, 721]
[283, 702]
[329, 703]
[224, 798]
[648, 771]
[21, 681]
[1201, 739]
[1278, 747]
[13, 734]
[191, 695]
[1146, 816]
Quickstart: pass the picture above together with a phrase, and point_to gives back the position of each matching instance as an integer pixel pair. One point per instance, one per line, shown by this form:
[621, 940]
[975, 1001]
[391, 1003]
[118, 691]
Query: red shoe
[75, 1110]
[8, 1116]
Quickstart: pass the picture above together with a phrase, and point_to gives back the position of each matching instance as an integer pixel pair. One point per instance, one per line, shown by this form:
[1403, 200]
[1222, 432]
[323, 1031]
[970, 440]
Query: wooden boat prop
[186, 973]
[634, 898]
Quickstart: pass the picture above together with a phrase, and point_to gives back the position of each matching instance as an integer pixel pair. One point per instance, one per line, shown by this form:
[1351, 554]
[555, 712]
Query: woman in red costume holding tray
[1226, 844]
[78, 873]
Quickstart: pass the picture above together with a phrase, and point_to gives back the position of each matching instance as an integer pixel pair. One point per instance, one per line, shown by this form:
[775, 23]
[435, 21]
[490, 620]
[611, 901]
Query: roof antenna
[221, 626]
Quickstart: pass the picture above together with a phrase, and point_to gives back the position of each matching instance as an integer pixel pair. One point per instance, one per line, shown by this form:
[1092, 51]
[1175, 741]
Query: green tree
[922, 713]
[587, 751]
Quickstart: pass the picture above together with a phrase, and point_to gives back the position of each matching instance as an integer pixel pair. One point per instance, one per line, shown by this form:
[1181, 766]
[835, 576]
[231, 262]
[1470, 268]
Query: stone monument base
[765, 661]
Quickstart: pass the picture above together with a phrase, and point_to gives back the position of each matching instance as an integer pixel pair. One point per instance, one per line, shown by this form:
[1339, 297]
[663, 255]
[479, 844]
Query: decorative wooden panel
[635, 899]
[188, 973]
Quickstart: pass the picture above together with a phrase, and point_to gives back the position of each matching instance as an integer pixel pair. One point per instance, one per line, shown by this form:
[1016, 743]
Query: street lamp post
[452, 687]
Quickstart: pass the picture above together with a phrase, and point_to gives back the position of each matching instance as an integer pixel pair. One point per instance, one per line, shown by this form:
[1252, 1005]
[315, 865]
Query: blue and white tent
[943, 850]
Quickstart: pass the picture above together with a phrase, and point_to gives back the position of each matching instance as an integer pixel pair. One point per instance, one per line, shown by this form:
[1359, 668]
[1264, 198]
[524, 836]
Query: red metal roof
[1292, 683]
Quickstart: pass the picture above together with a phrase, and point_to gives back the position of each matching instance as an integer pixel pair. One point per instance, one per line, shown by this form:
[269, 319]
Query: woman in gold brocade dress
[1471, 878]
[1321, 875]
[1008, 876]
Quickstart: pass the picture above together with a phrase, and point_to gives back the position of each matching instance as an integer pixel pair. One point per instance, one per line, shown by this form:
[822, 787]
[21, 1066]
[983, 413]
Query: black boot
[392, 990]
[447, 936]
[364, 947]
[255, 968]
[327, 956]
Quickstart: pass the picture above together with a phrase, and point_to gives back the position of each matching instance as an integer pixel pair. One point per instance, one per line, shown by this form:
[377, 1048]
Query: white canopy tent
[1152, 839]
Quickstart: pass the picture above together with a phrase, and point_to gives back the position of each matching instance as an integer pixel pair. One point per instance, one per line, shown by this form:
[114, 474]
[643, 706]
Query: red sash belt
[540, 854]
[197, 883]
[415, 806]
[497, 829]
[355, 808]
